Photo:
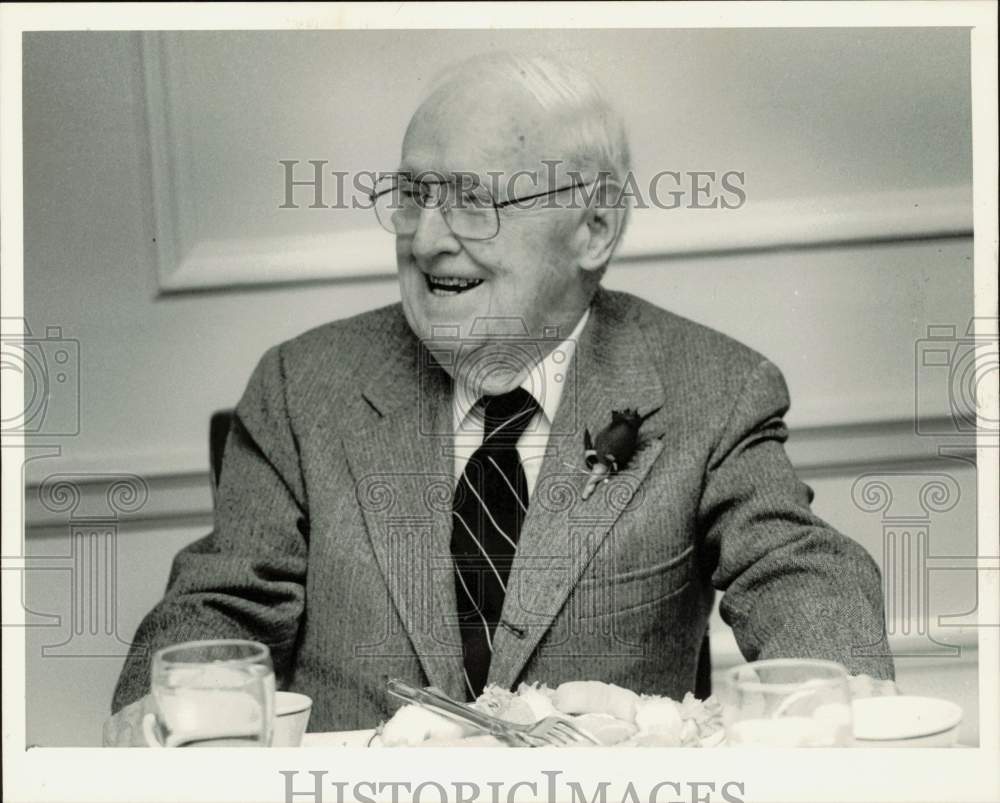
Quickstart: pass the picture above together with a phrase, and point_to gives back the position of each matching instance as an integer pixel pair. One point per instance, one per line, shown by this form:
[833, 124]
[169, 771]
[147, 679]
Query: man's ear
[600, 229]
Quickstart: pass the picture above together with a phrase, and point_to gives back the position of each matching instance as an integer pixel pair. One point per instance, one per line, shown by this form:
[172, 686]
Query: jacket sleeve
[246, 578]
[793, 586]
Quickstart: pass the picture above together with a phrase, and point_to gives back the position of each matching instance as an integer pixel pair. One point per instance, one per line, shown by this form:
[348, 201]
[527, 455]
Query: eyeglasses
[471, 212]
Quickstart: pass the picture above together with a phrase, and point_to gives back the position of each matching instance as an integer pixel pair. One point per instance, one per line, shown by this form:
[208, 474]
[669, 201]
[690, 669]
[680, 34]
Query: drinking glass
[787, 703]
[216, 693]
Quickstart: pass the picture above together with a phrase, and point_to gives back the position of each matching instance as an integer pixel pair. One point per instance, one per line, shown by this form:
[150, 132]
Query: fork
[551, 730]
[558, 731]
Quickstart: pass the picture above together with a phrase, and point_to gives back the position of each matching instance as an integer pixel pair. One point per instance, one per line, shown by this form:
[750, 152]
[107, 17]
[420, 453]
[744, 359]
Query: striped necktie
[490, 503]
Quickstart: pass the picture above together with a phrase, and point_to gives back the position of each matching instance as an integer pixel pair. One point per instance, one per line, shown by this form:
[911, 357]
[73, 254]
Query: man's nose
[433, 236]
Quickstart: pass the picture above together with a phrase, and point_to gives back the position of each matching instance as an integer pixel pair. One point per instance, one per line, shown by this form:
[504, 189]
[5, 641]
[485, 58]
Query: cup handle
[810, 687]
[149, 731]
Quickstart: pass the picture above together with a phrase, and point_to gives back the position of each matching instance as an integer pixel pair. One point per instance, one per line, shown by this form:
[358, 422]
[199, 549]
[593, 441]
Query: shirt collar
[545, 380]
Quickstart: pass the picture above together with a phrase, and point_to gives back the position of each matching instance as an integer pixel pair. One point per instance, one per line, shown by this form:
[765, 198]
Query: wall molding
[181, 496]
[653, 235]
[191, 259]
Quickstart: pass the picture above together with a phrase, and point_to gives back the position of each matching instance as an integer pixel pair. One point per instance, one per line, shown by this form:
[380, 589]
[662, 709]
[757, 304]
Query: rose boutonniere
[613, 447]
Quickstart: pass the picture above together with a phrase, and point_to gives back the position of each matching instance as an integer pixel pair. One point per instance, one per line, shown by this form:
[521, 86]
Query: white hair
[591, 127]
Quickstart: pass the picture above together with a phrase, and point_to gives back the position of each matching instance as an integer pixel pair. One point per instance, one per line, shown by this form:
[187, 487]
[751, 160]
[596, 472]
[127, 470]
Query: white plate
[340, 739]
[906, 720]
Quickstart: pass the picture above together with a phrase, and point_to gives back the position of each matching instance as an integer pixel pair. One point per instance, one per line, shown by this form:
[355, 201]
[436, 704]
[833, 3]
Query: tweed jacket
[331, 539]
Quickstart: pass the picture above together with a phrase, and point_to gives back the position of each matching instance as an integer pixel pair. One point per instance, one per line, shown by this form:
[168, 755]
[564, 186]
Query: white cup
[291, 716]
[290, 721]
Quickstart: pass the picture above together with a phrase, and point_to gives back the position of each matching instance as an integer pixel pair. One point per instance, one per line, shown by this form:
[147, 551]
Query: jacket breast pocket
[602, 593]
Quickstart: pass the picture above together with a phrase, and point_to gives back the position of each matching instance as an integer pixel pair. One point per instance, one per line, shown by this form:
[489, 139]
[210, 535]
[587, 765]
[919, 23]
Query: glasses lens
[471, 212]
[397, 205]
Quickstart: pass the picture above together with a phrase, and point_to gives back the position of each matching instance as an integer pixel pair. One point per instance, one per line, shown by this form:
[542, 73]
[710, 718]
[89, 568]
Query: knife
[440, 703]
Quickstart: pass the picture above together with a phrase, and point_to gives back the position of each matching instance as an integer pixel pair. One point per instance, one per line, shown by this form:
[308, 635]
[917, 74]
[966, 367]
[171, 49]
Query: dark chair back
[703, 674]
[218, 430]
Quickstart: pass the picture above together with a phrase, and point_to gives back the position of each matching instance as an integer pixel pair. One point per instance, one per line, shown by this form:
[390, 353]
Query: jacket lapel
[562, 532]
[404, 481]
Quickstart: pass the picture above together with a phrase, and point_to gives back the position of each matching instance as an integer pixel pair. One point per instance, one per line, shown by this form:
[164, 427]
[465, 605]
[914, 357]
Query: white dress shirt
[545, 381]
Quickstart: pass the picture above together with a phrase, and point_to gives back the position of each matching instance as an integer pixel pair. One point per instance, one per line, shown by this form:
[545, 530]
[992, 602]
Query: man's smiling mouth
[450, 285]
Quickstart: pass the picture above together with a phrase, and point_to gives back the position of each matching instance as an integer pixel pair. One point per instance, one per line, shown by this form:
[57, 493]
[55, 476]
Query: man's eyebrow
[432, 176]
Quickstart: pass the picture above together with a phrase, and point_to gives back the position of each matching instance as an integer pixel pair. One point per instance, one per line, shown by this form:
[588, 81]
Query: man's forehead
[489, 132]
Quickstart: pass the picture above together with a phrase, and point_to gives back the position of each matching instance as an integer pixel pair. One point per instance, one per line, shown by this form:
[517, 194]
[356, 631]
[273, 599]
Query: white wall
[843, 321]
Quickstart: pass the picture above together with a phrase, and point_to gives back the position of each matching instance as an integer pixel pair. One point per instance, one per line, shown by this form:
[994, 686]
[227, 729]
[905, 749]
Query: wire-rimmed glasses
[467, 206]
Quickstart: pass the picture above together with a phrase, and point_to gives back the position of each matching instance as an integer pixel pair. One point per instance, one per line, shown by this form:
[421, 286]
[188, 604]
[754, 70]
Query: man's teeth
[450, 285]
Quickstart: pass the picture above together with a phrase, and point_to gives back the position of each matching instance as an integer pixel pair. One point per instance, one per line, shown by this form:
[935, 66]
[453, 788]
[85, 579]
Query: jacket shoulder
[704, 370]
[365, 332]
[671, 337]
[324, 365]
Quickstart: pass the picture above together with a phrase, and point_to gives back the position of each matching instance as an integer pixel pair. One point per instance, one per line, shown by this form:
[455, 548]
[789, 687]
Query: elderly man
[407, 492]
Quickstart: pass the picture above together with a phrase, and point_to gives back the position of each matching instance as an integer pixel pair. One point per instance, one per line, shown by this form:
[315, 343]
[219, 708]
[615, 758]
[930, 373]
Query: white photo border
[64, 774]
